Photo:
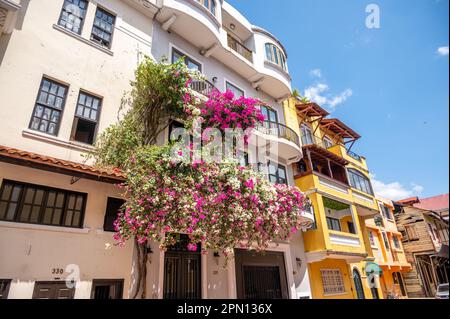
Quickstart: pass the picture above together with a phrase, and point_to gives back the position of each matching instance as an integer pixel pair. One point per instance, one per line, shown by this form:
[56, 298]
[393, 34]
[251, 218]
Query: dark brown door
[260, 276]
[52, 290]
[182, 272]
[107, 289]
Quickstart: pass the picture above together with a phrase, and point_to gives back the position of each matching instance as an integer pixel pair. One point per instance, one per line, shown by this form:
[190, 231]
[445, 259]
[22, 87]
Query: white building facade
[64, 67]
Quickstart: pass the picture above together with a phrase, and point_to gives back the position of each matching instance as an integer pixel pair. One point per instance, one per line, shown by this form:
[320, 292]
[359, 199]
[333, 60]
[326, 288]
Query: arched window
[275, 55]
[359, 181]
[209, 4]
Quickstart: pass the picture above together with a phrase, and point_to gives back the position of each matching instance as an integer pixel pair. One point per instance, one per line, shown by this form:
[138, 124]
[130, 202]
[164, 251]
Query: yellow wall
[316, 278]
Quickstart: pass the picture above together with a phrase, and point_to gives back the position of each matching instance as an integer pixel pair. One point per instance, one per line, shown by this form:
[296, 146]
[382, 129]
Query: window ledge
[58, 229]
[53, 139]
[80, 38]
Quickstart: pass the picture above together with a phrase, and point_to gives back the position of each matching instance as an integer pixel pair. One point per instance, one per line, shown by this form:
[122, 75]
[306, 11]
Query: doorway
[358, 284]
[261, 276]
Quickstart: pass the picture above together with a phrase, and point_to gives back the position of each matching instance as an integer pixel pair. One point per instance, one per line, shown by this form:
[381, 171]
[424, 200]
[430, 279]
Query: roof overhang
[311, 110]
[317, 151]
[51, 164]
[340, 129]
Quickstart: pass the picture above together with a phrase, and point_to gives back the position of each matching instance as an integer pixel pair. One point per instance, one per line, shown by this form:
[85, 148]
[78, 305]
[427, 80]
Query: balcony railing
[309, 139]
[203, 87]
[279, 130]
[354, 155]
[240, 48]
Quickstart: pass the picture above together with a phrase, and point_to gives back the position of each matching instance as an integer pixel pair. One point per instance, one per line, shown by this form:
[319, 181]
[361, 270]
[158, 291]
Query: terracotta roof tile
[21, 157]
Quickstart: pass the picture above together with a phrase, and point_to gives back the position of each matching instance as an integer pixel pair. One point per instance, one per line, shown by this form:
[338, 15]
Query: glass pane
[71, 202]
[51, 199]
[29, 195]
[3, 209]
[60, 200]
[79, 204]
[68, 220]
[76, 219]
[25, 213]
[56, 220]
[93, 115]
[43, 97]
[15, 193]
[46, 86]
[48, 215]
[282, 172]
[11, 211]
[61, 91]
[47, 113]
[53, 88]
[6, 191]
[35, 123]
[38, 111]
[52, 128]
[89, 101]
[35, 214]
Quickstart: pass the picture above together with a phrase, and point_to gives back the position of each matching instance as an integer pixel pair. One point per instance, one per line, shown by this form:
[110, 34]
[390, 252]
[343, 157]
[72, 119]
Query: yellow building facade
[337, 183]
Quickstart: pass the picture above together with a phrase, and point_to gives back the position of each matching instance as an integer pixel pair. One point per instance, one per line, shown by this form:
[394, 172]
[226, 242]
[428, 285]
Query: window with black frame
[233, 88]
[73, 14]
[359, 181]
[190, 63]
[86, 119]
[103, 29]
[270, 114]
[34, 204]
[277, 173]
[275, 55]
[333, 224]
[4, 288]
[49, 105]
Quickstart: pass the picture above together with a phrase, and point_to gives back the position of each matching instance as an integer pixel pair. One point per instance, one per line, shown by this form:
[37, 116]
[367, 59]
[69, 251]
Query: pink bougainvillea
[223, 206]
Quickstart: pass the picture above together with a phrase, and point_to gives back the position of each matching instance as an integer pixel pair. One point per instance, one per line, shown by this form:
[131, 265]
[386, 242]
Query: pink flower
[192, 247]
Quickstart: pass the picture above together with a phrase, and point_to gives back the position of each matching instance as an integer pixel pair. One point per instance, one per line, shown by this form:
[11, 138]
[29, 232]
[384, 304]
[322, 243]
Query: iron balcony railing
[354, 155]
[241, 49]
[279, 130]
[203, 87]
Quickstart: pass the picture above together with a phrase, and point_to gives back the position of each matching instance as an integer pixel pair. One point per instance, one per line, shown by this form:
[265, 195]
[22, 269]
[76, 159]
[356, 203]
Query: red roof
[436, 203]
[20, 157]
[409, 201]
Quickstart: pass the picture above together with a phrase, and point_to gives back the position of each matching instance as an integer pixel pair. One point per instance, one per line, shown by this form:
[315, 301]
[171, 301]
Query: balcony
[285, 141]
[239, 48]
[319, 160]
[204, 87]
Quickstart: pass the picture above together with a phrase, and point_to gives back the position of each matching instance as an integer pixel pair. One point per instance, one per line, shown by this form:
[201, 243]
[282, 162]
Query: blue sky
[389, 84]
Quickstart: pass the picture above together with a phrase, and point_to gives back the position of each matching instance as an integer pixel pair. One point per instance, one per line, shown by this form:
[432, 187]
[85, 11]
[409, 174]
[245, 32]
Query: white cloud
[396, 190]
[443, 51]
[317, 73]
[319, 93]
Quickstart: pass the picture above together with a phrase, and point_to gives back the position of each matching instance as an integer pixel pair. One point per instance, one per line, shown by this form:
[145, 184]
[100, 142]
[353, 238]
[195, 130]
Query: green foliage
[332, 204]
[159, 93]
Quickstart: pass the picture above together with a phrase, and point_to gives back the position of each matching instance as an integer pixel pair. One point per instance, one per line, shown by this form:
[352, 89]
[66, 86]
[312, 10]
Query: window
[372, 239]
[386, 241]
[269, 114]
[306, 134]
[277, 173]
[386, 211]
[396, 242]
[107, 289]
[27, 203]
[113, 207]
[190, 63]
[49, 106]
[411, 232]
[172, 127]
[72, 15]
[237, 91]
[359, 181]
[327, 143]
[332, 282]
[103, 28]
[333, 224]
[4, 288]
[351, 227]
[52, 290]
[86, 118]
[275, 55]
[209, 4]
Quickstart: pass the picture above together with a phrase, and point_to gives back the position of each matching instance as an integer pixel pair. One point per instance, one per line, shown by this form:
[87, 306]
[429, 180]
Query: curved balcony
[284, 140]
[193, 21]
